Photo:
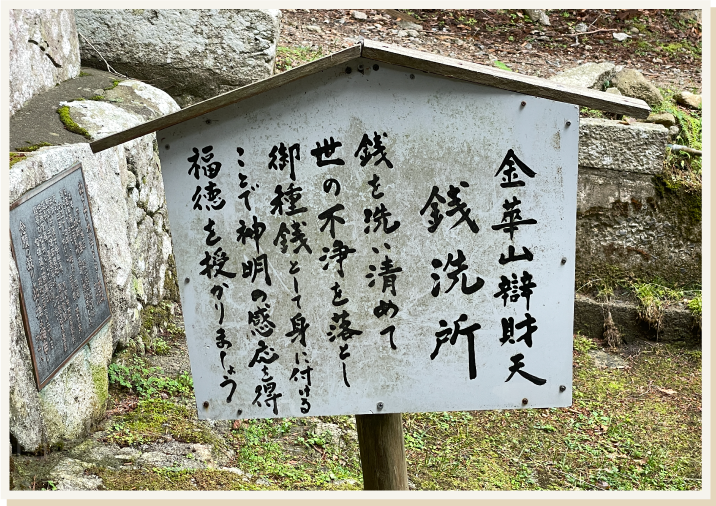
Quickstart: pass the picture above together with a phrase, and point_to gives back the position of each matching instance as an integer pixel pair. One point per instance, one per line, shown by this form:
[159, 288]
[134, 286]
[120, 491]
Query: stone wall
[43, 52]
[629, 223]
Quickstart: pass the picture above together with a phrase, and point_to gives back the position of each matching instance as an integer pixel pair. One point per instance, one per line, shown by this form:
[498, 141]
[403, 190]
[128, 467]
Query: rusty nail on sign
[523, 103]
[206, 404]
[564, 260]
[524, 401]
[568, 123]
[379, 406]
[186, 280]
[562, 388]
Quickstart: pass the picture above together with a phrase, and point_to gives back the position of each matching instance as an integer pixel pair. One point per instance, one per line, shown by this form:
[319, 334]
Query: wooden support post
[382, 451]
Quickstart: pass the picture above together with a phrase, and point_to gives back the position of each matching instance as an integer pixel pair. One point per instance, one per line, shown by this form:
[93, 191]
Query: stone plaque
[375, 239]
[62, 291]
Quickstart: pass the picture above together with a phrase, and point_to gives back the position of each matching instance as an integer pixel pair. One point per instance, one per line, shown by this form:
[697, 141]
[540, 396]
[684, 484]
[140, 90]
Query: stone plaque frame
[74, 259]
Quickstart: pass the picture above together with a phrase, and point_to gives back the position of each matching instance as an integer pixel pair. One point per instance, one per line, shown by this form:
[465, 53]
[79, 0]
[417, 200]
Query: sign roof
[390, 54]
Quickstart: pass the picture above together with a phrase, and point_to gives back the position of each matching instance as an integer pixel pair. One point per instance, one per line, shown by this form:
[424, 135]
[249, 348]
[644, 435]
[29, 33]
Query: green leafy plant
[500, 65]
[289, 57]
[147, 381]
[654, 298]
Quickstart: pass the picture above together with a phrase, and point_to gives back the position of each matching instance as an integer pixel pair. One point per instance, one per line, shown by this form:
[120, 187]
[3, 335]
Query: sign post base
[382, 451]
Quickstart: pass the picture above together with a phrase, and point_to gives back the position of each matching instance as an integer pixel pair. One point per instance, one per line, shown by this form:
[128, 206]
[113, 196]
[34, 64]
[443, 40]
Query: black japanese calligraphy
[448, 334]
[210, 170]
[380, 217]
[256, 266]
[510, 176]
[330, 218]
[214, 264]
[517, 366]
[327, 150]
[511, 218]
[508, 330]
[339, 253]
[255, 231]
[459, 265]
[366, 155]
[510, 288]
[285, 157]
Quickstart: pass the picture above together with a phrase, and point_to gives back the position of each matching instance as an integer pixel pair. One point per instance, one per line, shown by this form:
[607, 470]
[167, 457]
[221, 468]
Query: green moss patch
[64, 112]
[33, 147]
[156, 417]
[167, 479]
[115, 83]
[291, 455]
[171, 286]
[16, 157]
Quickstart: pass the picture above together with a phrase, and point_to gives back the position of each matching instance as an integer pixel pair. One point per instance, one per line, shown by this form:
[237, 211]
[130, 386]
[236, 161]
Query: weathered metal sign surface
[64, 301]
[374, 239]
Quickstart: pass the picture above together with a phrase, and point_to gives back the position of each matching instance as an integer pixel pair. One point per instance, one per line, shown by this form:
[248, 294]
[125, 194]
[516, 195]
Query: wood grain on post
[382, 451]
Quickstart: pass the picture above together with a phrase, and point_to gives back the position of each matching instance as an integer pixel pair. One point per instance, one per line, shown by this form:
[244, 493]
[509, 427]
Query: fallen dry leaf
[667, 391]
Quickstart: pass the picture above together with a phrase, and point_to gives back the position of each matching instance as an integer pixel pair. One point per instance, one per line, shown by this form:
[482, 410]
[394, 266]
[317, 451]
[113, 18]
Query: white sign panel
[375, 239]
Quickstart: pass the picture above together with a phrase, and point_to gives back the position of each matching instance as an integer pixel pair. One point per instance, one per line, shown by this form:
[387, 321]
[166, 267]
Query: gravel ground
[659, 50]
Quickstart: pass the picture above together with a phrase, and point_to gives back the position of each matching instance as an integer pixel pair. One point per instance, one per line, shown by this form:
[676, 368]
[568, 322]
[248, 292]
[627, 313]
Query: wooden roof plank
[418, 60]
[520, 83]
[228, 98]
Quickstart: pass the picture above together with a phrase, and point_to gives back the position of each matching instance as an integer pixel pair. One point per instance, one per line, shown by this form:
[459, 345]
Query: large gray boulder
[43, 52]
[126, 197]
[589, 75]
[632, 83]
[191, 54]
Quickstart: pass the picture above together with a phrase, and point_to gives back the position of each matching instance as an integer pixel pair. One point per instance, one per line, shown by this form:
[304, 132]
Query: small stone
[587, 47]
[663, 118]
[359, 15]
[621, 37]
[539, 15]
[689, 15]
[412, 33]
[402, 33]
[528, 46]
[408, 25]
[589, 75]
[674, 131]
[634, 30]
[314, 28]
[688, 99]
[614, 91]
[581, 27]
